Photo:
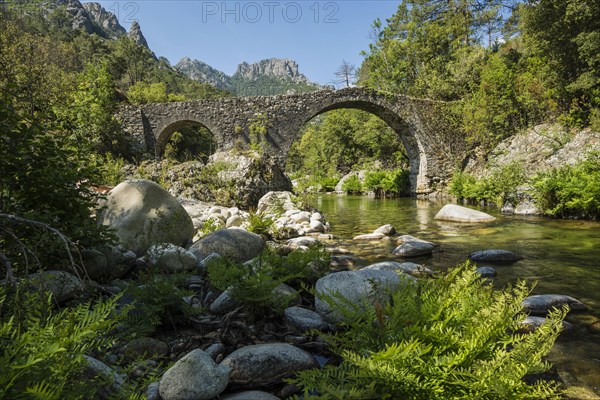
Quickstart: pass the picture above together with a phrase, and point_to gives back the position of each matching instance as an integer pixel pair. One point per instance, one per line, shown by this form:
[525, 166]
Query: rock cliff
[106, 20]
[272, 68]
[135, 34]
[93, 18]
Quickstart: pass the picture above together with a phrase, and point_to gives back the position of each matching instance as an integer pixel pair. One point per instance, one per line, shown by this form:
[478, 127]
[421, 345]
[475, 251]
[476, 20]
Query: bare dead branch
[10, 276]
[24, 249]
[66, 241]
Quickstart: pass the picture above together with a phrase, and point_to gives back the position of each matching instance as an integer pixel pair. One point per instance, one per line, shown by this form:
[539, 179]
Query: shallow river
[562, 256]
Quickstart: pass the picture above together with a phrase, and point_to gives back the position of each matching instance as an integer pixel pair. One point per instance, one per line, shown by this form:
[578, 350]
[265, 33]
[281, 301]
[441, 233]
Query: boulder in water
[456, 213]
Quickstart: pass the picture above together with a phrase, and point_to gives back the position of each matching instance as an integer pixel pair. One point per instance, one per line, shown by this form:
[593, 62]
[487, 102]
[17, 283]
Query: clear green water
[562, 256]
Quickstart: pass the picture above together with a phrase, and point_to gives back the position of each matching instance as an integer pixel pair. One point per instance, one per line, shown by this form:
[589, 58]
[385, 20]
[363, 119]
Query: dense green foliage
[59, 90]
[352, 185]
[340, 141]
[190, 143]
[268, 86]
[511, 63]
[498, 187]
[380, 182]
[451, 337]
[78, 79]
[158, 301]
[252, 284]
[384, 183]
[41, 351]
[571, 190]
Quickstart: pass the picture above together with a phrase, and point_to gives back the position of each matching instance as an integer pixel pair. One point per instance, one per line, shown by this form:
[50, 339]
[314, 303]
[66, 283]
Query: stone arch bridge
[434, 147]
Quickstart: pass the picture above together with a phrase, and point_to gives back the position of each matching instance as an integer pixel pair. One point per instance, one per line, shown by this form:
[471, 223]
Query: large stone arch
[406, 133]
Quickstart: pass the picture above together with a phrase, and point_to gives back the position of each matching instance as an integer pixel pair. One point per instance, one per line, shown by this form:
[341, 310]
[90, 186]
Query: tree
[427, 42]
[566, 36]
[346, 73]
[341, 140]
[91, 109]
[131, 60]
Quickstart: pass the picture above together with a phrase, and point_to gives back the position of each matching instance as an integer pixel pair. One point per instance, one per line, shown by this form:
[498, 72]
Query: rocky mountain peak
[135, 33]
[89, 17]
[272, 68]
[107, 20]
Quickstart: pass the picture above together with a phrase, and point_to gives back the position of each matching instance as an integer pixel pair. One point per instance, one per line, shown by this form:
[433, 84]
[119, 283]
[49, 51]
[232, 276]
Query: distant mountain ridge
[202, 72]
[266, 77]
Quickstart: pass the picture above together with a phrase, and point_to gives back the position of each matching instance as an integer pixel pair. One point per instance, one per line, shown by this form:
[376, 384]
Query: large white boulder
[456, 213]
[194, 377]
[142, 214]
[275, 203]
[233, 244]
[267, 364]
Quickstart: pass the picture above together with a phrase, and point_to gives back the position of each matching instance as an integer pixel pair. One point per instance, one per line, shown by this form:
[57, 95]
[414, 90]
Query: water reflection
[422, 213]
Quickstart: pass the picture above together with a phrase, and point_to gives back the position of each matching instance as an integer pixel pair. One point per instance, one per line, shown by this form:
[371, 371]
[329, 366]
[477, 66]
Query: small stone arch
[168, 127]
[407, 134]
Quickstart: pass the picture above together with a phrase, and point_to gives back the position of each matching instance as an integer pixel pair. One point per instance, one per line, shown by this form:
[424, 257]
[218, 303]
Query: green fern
[158, 300]
[452, 337]
[41, 351]
[251, 284]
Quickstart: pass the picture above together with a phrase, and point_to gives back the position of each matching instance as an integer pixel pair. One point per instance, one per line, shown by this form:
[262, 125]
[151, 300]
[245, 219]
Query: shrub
[500, 186]
[158, 300]
[445, 338]
[251, 284]
[142, 93]
[307, 265]
[396, 182]
[384, 183]
[373, 180]
[570, 191]
[44, 176]
[462, 185]
[595, 119]
[209, 226]
[327, 184]
[352, 185]
[261, 225]
[111, 170]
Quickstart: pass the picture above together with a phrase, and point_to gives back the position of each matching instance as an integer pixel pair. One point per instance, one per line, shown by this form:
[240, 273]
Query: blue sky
[317, 34]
